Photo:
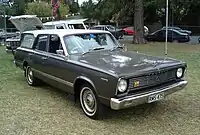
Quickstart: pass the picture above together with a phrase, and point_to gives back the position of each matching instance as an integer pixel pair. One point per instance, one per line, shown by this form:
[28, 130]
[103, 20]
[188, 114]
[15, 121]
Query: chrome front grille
[152, 79]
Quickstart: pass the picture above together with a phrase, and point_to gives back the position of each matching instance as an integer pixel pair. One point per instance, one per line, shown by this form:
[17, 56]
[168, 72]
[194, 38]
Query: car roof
[101, 25]
[63, 32]
[77, 21]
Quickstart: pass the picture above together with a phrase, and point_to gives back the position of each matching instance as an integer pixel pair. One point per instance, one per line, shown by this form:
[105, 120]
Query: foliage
[122, 11]
[74, 7]
[41, 9]
[17, 8]
[64, 10]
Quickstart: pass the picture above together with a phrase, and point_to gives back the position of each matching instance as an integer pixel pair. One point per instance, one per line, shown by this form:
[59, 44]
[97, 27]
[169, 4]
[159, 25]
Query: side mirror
[60, 52]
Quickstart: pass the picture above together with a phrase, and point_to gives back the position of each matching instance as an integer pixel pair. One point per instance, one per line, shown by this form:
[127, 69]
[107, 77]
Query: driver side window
[54, 44]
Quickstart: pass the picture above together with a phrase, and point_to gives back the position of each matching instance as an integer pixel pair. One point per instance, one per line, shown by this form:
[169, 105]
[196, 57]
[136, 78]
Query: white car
[66, 24]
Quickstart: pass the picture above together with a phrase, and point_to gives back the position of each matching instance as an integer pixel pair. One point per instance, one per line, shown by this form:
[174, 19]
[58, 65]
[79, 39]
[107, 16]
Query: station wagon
[95, 68]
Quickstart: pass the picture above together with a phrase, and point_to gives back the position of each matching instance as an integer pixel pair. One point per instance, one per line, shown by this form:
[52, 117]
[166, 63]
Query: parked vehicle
[179, 29]
[12, 44]
[22, 23]
[32, 22]
[5, 35]
[118, 33]
[131, 31]
[66, 24]
[95, 68]
[173, 36]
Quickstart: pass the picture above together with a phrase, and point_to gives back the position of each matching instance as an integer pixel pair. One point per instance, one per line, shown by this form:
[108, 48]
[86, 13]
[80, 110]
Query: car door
[170, 36]
[57, 66]
[40, 55]
[160, 36]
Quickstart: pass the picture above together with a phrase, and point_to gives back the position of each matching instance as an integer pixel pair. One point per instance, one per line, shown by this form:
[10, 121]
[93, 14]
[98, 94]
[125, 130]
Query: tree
[41, 9]
[74, 7]
[64, 10]
[138, 38]
[87, 8]
[16, 9]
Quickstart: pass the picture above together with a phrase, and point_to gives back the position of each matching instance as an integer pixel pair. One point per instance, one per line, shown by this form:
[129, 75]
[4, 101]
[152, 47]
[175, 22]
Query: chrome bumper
[134, 100]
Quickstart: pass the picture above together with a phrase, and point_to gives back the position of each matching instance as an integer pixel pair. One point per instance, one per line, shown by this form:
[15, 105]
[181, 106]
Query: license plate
[155, 97]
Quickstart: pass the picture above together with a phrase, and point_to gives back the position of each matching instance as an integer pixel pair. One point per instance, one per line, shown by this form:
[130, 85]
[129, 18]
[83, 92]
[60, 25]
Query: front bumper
[134, 100]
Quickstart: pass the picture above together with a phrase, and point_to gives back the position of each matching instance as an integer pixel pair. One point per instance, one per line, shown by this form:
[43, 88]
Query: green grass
[45, 110]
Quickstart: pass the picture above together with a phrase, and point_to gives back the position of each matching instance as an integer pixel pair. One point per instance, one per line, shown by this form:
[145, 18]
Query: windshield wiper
[94, 49]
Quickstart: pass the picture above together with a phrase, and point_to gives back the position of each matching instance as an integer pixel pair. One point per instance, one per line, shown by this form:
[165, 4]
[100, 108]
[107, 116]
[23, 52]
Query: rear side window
[27, 40]
[42, 43]
[98, 28]
[49, 26]
[60, 27]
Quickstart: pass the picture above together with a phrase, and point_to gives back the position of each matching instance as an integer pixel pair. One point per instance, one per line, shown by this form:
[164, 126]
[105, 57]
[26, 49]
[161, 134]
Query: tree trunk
[138, 38]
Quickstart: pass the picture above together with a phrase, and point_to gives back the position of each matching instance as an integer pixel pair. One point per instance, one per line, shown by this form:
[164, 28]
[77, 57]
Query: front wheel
[90, 103]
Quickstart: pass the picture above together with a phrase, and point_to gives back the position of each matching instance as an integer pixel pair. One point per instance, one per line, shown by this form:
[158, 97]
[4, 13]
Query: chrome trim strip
[54, 78]
[134, 100]
[26, 49]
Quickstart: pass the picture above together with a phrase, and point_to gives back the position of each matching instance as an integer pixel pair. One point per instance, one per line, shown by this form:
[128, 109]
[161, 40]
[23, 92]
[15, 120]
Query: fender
[87, 80]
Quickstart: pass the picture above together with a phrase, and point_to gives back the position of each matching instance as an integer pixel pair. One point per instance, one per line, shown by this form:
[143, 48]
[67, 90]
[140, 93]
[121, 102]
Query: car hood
[124, 63]
[26, 22]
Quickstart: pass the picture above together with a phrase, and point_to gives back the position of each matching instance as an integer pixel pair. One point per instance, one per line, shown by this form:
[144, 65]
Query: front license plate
[155, 97]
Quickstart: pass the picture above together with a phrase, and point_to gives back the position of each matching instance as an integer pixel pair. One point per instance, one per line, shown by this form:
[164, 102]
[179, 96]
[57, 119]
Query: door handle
[44, 58]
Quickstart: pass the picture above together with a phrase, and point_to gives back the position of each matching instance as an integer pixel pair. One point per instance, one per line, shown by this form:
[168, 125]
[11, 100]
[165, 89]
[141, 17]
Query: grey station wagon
[96, 69]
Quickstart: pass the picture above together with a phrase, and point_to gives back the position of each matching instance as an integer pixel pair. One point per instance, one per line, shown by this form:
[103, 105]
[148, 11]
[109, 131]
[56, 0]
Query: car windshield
[83, 43]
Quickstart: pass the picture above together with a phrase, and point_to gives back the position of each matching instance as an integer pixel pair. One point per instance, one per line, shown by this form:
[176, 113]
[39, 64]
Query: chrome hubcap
[88, 101]
[30, 75]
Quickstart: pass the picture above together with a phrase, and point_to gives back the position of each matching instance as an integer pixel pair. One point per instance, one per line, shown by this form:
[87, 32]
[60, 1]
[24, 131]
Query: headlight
[179, 72]
[122, 85]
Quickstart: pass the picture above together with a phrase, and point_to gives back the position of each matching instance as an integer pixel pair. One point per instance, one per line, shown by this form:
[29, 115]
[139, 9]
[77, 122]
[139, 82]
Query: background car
[118, 33]
[173, 36]
[179, 29]
[130, 30]
[12, 43]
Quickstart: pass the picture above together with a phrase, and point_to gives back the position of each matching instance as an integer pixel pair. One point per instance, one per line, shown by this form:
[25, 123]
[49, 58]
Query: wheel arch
[25, 64]
[79, 81]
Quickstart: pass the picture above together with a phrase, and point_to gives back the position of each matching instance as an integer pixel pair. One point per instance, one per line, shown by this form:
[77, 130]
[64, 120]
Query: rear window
[76, 26]
[27, 40]
[49, 26]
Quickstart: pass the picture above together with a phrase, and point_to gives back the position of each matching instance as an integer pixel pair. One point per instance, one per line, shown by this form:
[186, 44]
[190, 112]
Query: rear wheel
[30, 78]
[90, 103]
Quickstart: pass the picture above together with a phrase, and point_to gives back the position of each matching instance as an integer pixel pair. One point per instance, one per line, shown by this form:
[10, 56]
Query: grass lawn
[26, 110]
